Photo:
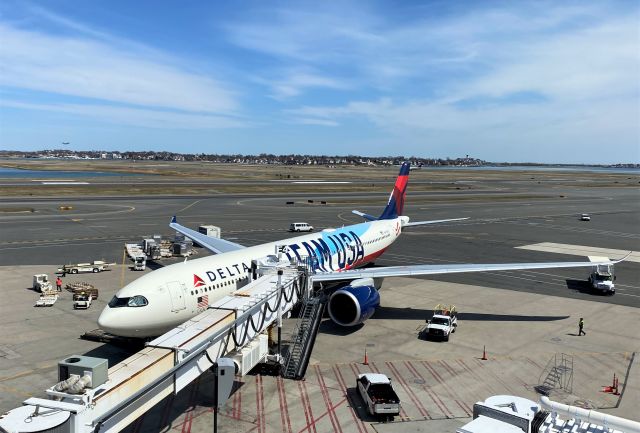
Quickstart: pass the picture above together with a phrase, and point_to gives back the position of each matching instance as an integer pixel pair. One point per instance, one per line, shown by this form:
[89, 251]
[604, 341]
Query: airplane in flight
[163, 299]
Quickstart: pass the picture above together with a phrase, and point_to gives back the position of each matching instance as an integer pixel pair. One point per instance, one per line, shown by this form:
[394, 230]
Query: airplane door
[176, 289]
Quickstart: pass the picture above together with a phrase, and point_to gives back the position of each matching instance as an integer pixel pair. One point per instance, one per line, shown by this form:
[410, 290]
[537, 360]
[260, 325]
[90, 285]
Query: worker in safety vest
[580, 327]
[59, 284]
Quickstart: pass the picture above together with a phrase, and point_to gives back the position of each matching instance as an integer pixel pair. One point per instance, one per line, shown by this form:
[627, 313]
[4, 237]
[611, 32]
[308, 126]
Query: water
[13, 173]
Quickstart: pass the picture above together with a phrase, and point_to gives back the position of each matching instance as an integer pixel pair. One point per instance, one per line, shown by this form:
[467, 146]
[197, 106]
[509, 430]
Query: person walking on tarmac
[59, 284]
[580, 327]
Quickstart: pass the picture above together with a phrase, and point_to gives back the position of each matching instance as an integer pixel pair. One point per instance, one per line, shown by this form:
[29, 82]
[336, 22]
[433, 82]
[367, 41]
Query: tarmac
[523, 319]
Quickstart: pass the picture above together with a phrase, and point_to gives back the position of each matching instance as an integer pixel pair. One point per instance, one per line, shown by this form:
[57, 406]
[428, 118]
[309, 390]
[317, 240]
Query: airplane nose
[108, 322]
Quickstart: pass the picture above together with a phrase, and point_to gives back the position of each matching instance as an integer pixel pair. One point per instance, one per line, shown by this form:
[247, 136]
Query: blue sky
[502, 81]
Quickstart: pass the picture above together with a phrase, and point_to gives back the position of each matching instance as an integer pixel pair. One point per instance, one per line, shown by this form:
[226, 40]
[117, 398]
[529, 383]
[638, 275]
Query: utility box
[225, 377]
[80, 365]
[211, 231]
[250, 355]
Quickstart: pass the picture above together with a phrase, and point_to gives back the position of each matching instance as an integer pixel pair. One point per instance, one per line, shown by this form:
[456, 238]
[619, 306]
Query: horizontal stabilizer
[421, 223]
[365, 215]
[417, 270]
[214, 245]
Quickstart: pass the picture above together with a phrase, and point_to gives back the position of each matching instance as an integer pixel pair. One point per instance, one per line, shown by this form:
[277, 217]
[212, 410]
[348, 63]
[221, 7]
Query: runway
[503, 218]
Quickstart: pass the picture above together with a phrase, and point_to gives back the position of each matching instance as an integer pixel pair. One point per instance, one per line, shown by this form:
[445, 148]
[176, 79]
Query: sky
[542, 81]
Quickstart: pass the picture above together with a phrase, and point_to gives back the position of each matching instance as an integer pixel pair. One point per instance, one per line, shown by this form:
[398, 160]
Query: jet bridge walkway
[233, 327]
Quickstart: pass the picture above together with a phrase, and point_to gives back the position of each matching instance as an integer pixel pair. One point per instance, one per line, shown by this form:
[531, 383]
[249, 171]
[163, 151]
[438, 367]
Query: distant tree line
[291, 159]
[263, 158]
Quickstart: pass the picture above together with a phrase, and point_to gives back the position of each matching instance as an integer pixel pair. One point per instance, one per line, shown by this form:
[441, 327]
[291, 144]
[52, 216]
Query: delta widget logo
[197, 281]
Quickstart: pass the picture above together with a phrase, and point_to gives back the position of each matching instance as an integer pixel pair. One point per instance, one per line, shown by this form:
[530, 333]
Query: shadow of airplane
[583, 286]
[395, 313]
[115, 353]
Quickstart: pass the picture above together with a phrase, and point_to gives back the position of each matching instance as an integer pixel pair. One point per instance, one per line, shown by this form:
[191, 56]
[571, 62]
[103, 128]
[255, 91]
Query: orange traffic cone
[366, 358]
[484, 353]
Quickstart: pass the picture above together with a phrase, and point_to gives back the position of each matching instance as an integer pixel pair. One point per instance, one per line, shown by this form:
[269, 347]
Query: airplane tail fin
[396, 199]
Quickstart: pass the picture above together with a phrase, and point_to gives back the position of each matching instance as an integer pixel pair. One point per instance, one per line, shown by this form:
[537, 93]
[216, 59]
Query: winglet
[174, 219]
[622, 259]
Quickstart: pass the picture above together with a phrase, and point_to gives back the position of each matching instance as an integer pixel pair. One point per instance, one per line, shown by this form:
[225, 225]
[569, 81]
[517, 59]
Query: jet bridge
[169, 363]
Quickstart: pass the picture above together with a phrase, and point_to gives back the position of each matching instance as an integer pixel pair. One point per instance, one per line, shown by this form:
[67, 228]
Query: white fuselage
[178, 292]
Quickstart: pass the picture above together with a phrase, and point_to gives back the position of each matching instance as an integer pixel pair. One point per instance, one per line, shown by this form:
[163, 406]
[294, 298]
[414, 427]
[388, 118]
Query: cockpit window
[118, 302]
[137, 301]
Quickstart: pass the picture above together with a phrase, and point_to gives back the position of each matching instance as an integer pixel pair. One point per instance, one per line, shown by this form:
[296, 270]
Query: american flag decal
[203, 301]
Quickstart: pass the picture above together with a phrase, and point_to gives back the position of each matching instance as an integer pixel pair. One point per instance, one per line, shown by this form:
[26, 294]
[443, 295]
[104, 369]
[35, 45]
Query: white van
[300, 227]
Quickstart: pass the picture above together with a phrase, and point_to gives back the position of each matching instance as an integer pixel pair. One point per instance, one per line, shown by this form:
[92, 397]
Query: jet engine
[353, 304]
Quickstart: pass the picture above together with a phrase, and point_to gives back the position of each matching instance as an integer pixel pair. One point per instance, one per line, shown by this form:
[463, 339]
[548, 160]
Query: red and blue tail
[396, 200]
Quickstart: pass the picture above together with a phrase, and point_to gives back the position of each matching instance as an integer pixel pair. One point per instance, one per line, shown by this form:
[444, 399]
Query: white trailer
[95, 267]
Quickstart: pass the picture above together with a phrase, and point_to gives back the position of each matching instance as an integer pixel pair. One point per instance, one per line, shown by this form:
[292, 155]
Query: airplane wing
[212, 244]
[417, 270]
[421, 223]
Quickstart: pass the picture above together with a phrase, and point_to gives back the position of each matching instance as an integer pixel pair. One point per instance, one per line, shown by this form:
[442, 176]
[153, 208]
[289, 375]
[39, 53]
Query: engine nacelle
[353, 304]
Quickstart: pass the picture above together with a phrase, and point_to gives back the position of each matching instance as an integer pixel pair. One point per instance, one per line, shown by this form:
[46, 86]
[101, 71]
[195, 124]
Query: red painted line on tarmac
[453, 373]
[361, 426]
[260, 404]
[284, 407]
[327, 401]
[329, 411]
[306, 405]
[499, 379]
[448, 367]
[465, 408]
[414, 398]
[374, 368]
[434, 396]
[188, 419]
[477, 376]
[239, 404]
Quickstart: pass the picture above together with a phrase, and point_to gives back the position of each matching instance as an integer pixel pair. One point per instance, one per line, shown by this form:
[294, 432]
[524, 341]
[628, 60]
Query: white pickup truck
[377, 393]
[602, 277]
[443, 323]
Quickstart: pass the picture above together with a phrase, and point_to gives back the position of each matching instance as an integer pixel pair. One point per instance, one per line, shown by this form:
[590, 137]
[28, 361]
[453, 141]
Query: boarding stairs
[304, 337]
[558, 374]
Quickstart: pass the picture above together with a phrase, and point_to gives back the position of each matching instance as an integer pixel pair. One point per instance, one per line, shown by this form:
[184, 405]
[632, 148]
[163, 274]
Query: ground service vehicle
[443, 323]
[602, 277]
[585, 217]
[139, 263]
[41, 283]
[95, 267]
[300, 227]
[82, 301]
[377, 393]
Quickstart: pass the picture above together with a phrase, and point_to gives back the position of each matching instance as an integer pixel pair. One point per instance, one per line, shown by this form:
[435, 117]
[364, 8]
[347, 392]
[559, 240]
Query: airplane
[167, 297]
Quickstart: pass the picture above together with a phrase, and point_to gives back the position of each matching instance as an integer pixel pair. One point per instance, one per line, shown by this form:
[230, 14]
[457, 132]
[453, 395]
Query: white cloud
[293, 82]
[88, 68]
[135, 116]
[585, 77]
